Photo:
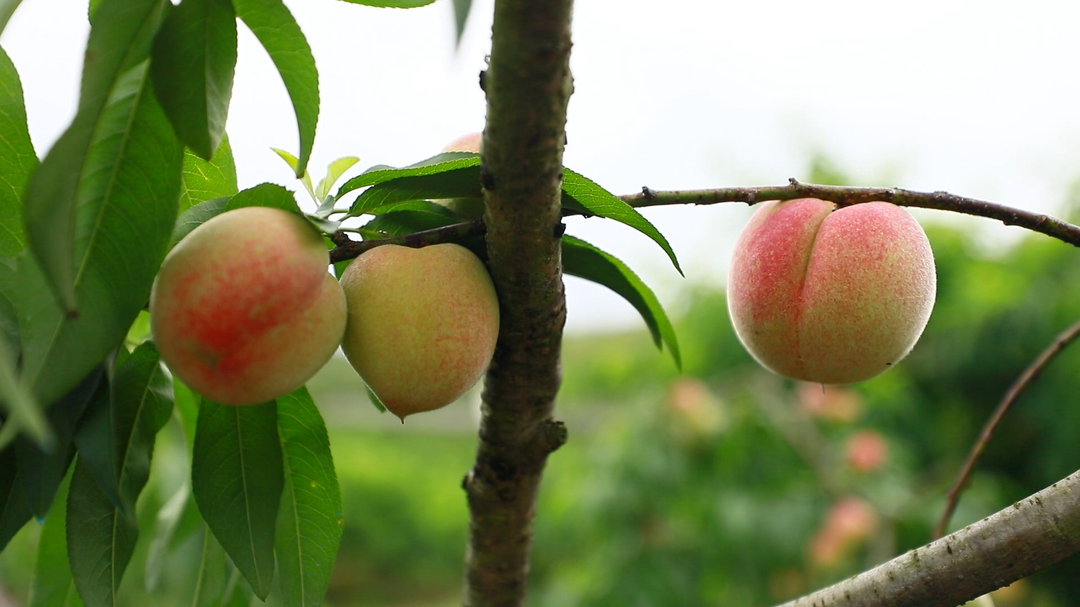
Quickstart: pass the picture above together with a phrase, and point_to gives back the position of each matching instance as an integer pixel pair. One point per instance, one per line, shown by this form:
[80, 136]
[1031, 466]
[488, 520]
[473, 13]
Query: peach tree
[146, 159]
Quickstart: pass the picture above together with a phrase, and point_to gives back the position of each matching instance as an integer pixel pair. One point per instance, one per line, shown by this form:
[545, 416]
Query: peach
[422, 324]
[827, 295]
[243, 309]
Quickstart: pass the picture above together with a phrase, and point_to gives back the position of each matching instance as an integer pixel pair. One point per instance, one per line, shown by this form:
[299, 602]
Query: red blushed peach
[422, 324]
[243, 310]
[827, 295]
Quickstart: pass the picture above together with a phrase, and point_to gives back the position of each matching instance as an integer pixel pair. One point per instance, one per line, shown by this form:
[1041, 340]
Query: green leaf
[276, 29]
[14, 508]
[187, 411]
[116, 436]
[40, 471]
[392, 3]
[176, 520]
[127, 209]
[457, 183]
[204, 180]
[265, 195]
[119, 40]
[461, 17]
[18, 403]
[408, 221]
[53, 585]
[294, 164]
[17, 163]
[194, 59]
[310, 520]
[375, 400]
[196, 216]
[583, 260]
[334, 171]
[602, 203]
[237, 479]
[100, 540]
[7, 7]
[213, 575]
[447, 161]
[17, 158]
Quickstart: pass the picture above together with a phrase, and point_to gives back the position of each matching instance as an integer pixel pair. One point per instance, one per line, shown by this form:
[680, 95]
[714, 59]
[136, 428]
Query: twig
[1029, 375]
[1027, 536]
[349, 249]
[845, 196]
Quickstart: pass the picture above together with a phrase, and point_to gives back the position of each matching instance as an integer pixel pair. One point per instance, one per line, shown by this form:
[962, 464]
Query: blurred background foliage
[717, 485]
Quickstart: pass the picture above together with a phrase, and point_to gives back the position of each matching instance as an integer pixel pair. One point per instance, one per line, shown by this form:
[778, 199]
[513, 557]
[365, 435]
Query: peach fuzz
[827, 295]
[422, 324]
[243, 309]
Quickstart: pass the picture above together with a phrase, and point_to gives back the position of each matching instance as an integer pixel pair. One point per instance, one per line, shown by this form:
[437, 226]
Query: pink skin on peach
[827, 295]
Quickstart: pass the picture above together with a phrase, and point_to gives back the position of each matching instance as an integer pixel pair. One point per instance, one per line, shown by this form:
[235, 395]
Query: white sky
[977, 98]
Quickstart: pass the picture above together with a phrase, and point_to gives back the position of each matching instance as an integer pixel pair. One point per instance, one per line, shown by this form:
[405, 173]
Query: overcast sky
[977, 98]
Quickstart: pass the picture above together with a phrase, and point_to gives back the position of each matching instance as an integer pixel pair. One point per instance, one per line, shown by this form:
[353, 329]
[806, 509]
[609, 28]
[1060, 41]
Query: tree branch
[1030, 535]
[350, 249]
[845, 196]
[1029, 375]
[528, 87]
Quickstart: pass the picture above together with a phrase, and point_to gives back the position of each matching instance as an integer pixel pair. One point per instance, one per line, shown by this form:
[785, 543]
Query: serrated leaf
[203, 181]
[310, 520]
[17, 163]
[278, 32]
[294, 164]
[265, 195]
[457, 183]
[40, 471]
[196, 216]
[53, 585]
[127, 209]
[237, 480]
[603, 203]
[409, 221]
[17, 159]
[119, 40]
[461, 17]
[441, 163]
[100, 540]
[334, 171]
[116, 435]
[193, 62]
[583, 260]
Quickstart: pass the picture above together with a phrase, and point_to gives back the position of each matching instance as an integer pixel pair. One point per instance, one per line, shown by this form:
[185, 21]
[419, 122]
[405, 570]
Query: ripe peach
[827, 295]
[422, 324]
[465, 143]
[243, 309]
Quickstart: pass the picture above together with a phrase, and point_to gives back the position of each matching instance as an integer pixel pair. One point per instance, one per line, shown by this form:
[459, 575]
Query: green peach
[827, 295]
[422, 324]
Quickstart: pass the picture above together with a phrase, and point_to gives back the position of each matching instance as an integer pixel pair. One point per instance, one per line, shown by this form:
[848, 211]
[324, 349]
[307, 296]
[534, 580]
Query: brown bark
[528, 87]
